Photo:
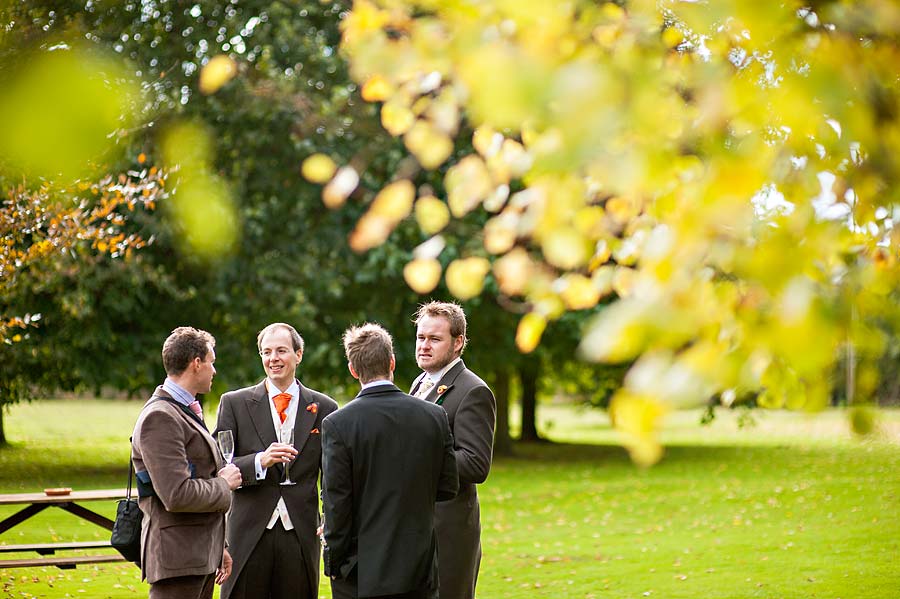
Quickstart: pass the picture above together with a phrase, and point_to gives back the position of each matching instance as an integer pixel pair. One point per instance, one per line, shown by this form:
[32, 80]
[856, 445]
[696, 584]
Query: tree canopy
[727, 172]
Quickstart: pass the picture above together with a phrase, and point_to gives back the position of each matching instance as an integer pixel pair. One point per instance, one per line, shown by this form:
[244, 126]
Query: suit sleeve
[168, 465]
[448, 483]
[337, 498]
[473, 427]
[226, 421]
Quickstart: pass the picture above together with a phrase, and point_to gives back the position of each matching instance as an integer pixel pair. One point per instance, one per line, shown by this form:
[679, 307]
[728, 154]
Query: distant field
[793, 507]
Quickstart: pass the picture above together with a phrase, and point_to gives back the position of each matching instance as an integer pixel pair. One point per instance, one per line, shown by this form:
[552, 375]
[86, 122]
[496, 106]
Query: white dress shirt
[436, 377]
[281, 512]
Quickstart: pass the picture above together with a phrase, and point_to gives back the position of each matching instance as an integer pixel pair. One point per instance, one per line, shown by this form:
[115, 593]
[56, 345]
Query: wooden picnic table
[37, 502]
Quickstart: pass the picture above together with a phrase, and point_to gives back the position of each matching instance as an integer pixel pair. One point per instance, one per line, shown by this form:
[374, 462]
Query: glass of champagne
[287, 437]
[226, 445]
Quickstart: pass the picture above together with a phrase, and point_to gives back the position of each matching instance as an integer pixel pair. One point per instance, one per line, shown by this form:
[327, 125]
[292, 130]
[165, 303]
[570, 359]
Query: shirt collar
[294, 389]
[178, 393]
[377, 382]
[437, 376]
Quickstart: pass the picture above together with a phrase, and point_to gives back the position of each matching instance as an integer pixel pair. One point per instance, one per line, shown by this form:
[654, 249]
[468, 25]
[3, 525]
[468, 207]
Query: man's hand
[232, 476]
[277, 453]
[224, 571]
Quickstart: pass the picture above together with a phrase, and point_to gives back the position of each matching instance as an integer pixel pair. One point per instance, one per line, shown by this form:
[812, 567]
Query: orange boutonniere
[313, 407]
[441, 389]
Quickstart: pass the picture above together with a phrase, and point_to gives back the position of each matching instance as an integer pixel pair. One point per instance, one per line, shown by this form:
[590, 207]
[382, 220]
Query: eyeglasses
[281, 352]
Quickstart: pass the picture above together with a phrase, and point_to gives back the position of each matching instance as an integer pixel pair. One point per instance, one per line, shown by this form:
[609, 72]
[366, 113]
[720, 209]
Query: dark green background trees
[103, 319]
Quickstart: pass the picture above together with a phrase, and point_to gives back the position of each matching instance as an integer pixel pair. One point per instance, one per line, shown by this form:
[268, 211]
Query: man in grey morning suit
[472, 412]
[387, 457]
[272, 528]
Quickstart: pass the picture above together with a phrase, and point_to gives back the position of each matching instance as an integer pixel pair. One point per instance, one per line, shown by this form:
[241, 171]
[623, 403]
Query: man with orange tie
[273, 521]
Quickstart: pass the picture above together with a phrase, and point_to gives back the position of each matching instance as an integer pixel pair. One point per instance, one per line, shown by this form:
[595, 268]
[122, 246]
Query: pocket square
[314, 431]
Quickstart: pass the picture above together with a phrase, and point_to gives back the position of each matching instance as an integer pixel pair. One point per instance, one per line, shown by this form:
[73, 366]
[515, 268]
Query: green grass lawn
[791, 507]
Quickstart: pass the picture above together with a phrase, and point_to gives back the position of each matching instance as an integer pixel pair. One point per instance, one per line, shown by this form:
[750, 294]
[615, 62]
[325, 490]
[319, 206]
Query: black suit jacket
[387, 458]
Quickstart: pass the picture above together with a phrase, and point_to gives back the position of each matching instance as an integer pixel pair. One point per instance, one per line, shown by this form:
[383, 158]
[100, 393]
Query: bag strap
[130, 472]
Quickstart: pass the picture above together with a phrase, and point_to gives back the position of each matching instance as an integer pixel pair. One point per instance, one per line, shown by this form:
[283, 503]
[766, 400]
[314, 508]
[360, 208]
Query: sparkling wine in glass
[226, 445]
[287, 437]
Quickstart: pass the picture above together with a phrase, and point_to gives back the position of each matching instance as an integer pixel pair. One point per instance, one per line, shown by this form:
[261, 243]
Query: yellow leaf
[377, 89]
[623, 281]
[565, 248]
[468, 183]
[487, 141]
[512, 272]
[396, 117]
[395, 201]
[500, 233]
[422, 275]
[639, 418]
[578, 292]
[465, 276]
[529, 331]
[432, 214]
[371, 231]
[428, 144]
[318, 168]
[217, 72]
[342, 185]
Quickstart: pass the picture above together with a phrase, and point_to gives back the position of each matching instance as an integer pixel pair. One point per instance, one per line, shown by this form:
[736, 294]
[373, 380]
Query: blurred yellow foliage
[62, 111]
[217, 72]
[318, 168]
[729, 171]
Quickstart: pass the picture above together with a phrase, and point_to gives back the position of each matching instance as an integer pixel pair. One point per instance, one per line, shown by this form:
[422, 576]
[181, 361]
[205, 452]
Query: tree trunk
[2, 431]
[502, 442]
[528, 374]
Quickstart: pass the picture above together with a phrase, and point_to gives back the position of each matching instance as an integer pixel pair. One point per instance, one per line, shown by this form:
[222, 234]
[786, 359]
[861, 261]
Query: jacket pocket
[186, 544]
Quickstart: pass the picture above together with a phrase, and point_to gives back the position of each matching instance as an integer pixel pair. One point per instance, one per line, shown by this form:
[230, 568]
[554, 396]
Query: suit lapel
[197, 424]
[439, 391]
[306, 417]
[261, 414]
[416, 382]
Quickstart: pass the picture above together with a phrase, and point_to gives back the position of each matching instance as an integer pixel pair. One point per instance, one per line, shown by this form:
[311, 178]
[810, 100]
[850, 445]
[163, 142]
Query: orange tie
[281, 403]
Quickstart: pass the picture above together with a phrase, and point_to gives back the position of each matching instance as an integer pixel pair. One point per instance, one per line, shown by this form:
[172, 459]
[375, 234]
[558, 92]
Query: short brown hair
[452, 312]
[296, 339]
[369, 349]
[182, 346]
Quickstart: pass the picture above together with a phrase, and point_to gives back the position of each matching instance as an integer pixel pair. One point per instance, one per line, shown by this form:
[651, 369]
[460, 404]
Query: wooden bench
[37, 502]
[51, 548]
[63, 563]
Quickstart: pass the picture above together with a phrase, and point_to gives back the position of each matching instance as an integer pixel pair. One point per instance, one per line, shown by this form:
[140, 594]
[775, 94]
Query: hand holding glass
[287, 437]
[226, 445]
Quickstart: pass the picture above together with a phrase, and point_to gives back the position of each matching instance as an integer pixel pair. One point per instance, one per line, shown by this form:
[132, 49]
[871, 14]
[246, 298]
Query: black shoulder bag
[126, 532]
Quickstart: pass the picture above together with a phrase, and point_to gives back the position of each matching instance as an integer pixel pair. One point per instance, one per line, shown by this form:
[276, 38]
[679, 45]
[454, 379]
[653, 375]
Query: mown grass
[794, 507]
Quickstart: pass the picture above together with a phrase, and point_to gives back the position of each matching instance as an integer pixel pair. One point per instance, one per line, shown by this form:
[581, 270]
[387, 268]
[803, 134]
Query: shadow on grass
[561, 452]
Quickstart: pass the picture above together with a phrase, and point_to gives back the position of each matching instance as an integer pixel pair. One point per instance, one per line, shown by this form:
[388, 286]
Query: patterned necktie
[281, 404]
[424, 387]
[196, 409]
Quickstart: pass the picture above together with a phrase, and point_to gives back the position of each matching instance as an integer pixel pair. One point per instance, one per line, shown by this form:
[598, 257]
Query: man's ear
[393, 363]
[299, 356]
[458, 345]
[352, 371]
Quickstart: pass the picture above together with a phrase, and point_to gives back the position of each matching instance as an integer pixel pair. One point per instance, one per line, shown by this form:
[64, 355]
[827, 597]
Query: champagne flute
[226, 445]
[287, 437]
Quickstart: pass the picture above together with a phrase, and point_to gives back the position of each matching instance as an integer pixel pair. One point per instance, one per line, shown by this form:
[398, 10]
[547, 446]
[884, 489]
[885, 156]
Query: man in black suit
[387, 458]
[472, 413]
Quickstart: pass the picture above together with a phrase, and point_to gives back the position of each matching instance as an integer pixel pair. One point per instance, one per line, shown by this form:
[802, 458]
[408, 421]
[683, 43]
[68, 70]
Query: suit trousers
[184, 587]
[346, 589]
[274, 569]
